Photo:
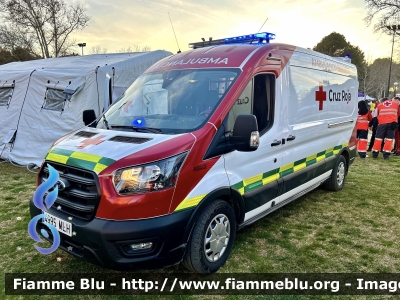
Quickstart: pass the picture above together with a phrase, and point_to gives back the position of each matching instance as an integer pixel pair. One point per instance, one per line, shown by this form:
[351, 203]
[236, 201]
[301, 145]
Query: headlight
[154, 176]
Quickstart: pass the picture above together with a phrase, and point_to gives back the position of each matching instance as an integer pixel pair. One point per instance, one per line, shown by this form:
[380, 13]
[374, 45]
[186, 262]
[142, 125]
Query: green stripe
[106, 161]
[80, 159]
[238, 185]
[81, 163]
[320, 155]
[253, 186]
[62, 151]
[328, 154]
[286, 172]
[270, 173]
[299, 162]
[311, 162]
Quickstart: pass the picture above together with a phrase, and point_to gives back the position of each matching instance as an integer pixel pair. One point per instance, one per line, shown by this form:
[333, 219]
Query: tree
[97, 50]
[377, 79]
[17, 54]
[386, 11]
[335, 44]
[332, 45]
[47, 24]
[135, 48]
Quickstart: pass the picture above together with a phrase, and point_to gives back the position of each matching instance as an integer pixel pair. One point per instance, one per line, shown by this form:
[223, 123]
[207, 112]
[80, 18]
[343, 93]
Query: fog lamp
[141, 246]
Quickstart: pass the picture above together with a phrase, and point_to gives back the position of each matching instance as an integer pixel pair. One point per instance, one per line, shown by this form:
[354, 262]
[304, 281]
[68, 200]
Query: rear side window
[307, 85]
[54, 100]
[6, 95]
[257, 98]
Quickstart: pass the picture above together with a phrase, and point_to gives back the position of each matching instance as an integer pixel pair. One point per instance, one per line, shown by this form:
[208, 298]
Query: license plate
[61, 225]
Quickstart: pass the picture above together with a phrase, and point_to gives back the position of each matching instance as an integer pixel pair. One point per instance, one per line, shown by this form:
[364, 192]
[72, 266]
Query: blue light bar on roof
[257, 38]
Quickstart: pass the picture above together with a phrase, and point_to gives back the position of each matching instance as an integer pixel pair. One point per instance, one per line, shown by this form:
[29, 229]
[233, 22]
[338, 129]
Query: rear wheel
[212, 239]
[337, 179]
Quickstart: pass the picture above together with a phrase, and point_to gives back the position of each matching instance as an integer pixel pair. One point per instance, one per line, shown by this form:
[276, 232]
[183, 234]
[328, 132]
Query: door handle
[275, 143]
[290, 138]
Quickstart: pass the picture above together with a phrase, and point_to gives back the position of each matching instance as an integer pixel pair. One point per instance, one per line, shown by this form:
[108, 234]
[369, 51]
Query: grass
[356, 230]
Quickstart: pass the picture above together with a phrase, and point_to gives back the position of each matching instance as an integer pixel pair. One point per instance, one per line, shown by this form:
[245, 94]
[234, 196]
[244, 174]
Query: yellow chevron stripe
[86, 156]
[99, 167]
[253, 179]
[270, 178]
[57, 158]
[299, 167]
[189, 202]
[311, 157]
[286, 167]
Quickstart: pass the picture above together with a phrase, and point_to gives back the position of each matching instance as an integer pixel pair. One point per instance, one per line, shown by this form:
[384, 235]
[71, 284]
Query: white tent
[366, 97]
[42, 100]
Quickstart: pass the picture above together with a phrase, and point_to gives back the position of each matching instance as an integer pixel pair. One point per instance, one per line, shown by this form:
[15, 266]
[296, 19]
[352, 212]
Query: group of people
[383, 118]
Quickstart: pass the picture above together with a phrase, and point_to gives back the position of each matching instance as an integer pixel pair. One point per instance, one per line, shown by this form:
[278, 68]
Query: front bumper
[104, 242]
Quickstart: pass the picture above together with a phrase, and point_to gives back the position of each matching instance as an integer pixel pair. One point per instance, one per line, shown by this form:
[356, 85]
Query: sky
[125, 23]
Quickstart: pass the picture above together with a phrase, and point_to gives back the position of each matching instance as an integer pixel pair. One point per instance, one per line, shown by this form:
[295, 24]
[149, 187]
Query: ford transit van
[202, 144]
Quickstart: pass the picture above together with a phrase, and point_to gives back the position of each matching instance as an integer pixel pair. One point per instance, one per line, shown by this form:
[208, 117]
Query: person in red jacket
[397, 134]
[363, 119]
[388, 114]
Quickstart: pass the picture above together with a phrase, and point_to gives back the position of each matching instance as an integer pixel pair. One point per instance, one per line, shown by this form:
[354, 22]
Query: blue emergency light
[139, 122]
[257, 38]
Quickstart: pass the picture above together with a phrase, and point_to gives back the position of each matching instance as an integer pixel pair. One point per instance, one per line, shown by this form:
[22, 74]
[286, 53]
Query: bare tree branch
[135, 48]
[97, 50]
[385, 12]
[50, 21]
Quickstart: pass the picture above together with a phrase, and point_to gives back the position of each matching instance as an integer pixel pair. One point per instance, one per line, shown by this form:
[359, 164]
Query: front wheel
[212, 239]
[336, 181]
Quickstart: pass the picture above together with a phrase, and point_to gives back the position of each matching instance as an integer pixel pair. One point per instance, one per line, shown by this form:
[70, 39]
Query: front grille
[80, 199]
[128, 139]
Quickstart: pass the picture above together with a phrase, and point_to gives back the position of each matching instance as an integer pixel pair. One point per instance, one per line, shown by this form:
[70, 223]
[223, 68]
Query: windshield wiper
[139, 129]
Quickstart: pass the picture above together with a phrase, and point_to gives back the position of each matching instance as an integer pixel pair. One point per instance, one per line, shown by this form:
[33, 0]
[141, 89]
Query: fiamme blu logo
[44, 199]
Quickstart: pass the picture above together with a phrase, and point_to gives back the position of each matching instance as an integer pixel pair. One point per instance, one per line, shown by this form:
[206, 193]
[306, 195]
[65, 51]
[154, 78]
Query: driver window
[242, 105]
[257, 98]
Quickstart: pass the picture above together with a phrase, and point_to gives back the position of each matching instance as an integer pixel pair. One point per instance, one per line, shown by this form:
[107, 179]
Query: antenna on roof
[261, 27]
[179, 49]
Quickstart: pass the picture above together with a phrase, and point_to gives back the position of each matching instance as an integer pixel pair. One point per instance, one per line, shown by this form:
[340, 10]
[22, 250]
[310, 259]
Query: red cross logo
[387, 103]
[320, 96]
[94, 141]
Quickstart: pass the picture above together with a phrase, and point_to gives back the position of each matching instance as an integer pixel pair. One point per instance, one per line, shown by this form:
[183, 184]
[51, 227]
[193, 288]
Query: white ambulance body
[202, 144]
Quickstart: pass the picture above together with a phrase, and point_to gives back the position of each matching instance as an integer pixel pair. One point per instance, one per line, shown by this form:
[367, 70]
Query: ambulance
[202, 144]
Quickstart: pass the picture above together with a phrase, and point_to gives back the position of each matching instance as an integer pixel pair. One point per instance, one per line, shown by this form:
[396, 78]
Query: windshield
[169, 102]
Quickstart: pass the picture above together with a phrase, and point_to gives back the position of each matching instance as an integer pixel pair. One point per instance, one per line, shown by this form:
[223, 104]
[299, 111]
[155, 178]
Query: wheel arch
[227, 194]
[345, 152]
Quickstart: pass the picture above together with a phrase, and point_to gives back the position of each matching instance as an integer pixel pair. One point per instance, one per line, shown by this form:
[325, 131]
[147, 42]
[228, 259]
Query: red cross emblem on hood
[94, 141]
[320, 96]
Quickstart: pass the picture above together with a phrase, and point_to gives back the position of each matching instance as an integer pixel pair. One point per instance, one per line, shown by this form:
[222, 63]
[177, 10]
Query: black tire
[336, 181]
[200, 257]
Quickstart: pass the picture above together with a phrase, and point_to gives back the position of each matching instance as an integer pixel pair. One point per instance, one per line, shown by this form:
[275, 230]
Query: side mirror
[88, 116]
[245, 136]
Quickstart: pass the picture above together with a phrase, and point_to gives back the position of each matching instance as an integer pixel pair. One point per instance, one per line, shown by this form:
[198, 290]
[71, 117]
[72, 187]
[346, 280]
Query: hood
[96, 149]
